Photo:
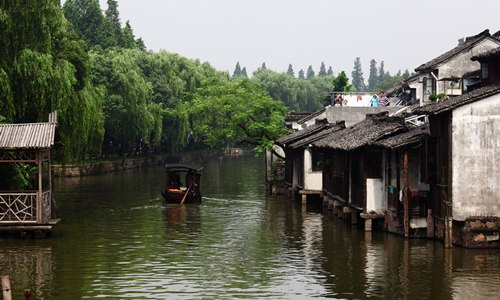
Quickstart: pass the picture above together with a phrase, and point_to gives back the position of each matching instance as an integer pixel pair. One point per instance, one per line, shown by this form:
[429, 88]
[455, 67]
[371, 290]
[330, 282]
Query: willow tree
[44, 67]
[236, 112]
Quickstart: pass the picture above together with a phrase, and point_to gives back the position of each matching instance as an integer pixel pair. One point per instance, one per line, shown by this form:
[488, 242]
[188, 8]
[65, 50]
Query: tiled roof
[493, 53]
[311, 116]
[327, 130]
[469, 43]
[293, 116]
[291, 138]
[437, 108]
[371, 129]
[407, 138]
[392, 90]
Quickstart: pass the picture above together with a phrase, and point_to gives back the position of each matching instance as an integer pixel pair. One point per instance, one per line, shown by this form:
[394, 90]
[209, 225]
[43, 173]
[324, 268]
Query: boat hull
[176, 196]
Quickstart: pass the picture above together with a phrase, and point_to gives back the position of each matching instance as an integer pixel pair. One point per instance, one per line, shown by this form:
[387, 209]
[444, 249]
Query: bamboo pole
[6, 288]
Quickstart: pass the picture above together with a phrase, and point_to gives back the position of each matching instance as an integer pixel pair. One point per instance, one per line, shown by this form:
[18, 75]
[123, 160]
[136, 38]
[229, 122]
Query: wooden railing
[25, 207]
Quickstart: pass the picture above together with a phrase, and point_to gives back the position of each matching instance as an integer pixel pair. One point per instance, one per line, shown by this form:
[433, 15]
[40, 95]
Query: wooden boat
[175, 191]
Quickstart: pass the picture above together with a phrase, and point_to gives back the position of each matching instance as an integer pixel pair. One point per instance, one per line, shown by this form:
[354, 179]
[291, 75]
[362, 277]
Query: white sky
[404, 34]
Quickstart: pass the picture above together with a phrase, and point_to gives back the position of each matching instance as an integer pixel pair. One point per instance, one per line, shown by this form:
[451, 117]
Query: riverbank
[101, 167]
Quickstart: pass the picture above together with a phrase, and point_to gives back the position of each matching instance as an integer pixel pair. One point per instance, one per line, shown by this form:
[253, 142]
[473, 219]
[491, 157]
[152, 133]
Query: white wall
[376, 192]
[476, 159]
[313, 180]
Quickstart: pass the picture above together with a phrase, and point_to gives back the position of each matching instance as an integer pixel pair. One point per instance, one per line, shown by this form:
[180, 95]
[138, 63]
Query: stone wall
[119, 165]
[480, 232]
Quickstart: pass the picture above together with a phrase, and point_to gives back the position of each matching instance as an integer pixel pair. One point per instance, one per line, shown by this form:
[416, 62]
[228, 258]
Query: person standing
[374, 100]
[383, 100]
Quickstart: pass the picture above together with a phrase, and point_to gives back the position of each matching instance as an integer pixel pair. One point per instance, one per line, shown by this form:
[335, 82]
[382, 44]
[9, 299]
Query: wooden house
[354, 177]
[407, 194]
[29, 210]
[465, 144]
[441, 74]
[302, 163]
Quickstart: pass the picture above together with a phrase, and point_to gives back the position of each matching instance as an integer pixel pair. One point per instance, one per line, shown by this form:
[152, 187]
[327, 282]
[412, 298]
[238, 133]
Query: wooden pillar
[406, 199]
[39, 202]
[7, 295]
[430, 224]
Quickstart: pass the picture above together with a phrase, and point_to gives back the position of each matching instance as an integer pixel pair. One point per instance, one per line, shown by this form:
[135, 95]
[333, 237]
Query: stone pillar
[304, 199]
[368, 224]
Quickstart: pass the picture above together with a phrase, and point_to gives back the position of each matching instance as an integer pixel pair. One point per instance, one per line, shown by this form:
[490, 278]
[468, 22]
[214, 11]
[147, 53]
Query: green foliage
[340, 83]
[310, 73]
[322, 70]
[45, 68]
[330, 71]
[373, 79]
[382, 75]
[237, 70]
[301, 74]
[357, 76]
[236, 111]
[290, 70]
[297, 94]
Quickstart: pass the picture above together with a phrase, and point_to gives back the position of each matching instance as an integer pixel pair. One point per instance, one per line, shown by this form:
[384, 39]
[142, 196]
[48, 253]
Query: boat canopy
[183, 167]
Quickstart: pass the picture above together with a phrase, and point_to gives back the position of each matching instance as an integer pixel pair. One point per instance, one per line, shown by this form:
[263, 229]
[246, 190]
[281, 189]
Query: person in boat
[175, 180]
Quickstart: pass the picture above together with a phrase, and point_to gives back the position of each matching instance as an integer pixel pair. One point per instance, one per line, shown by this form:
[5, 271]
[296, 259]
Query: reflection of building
[29, 268]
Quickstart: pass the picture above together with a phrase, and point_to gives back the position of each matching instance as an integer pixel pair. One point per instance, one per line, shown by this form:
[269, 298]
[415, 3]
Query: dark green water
[119, 240]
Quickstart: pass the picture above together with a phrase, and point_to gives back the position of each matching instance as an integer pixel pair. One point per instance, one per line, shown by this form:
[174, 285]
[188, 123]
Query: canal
[119, 240]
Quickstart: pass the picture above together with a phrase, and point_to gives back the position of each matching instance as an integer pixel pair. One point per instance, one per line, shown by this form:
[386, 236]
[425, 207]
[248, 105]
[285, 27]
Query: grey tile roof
[469, 43]
[311, 116]
[371, 129]
[407, 138]
[293, 116]
[437, 108]
[291, 138]
[327, 130]
[491, 54]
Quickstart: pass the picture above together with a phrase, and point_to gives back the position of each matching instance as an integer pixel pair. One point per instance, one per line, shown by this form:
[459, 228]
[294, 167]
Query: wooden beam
[405, 194]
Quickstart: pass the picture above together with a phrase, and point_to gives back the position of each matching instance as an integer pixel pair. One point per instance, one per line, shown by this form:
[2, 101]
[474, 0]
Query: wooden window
[429, 160]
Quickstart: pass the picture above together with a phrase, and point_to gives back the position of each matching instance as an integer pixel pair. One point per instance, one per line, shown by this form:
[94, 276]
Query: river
[118, 239]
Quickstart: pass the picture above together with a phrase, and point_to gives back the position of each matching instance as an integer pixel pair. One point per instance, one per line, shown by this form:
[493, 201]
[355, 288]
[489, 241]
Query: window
[316, 159]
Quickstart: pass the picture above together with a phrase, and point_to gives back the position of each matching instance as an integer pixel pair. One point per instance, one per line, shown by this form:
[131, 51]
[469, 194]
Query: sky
[404, 34]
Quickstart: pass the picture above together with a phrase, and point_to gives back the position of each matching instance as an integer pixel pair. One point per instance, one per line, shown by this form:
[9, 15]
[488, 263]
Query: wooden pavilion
[29, 210]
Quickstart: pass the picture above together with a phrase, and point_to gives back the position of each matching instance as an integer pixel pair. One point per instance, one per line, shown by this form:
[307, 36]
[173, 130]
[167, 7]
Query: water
[119, 240]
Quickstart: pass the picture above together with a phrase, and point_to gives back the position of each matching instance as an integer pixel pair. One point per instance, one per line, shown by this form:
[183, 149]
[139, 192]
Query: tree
[322, 70]
[373, 79]
[301, 74]
[113, 18]
[381, 72]
[244, 72]
[398, 74]
[330, 71]
[310, 73]
[237, 111]
[129, 36]
[340, 83]
[237, 70]
[44, 67]
[406, 74]
[89, 22]
[357, 76]
[290, 70]
[263, 68]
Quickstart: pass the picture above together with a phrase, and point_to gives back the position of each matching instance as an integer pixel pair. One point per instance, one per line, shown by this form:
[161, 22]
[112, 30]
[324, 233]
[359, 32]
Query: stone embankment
[141, 162]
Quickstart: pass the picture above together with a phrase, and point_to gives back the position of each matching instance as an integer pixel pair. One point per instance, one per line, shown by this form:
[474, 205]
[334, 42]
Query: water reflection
[118, 239]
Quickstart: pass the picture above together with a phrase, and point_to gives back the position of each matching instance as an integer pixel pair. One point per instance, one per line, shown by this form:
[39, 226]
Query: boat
[177, 192]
